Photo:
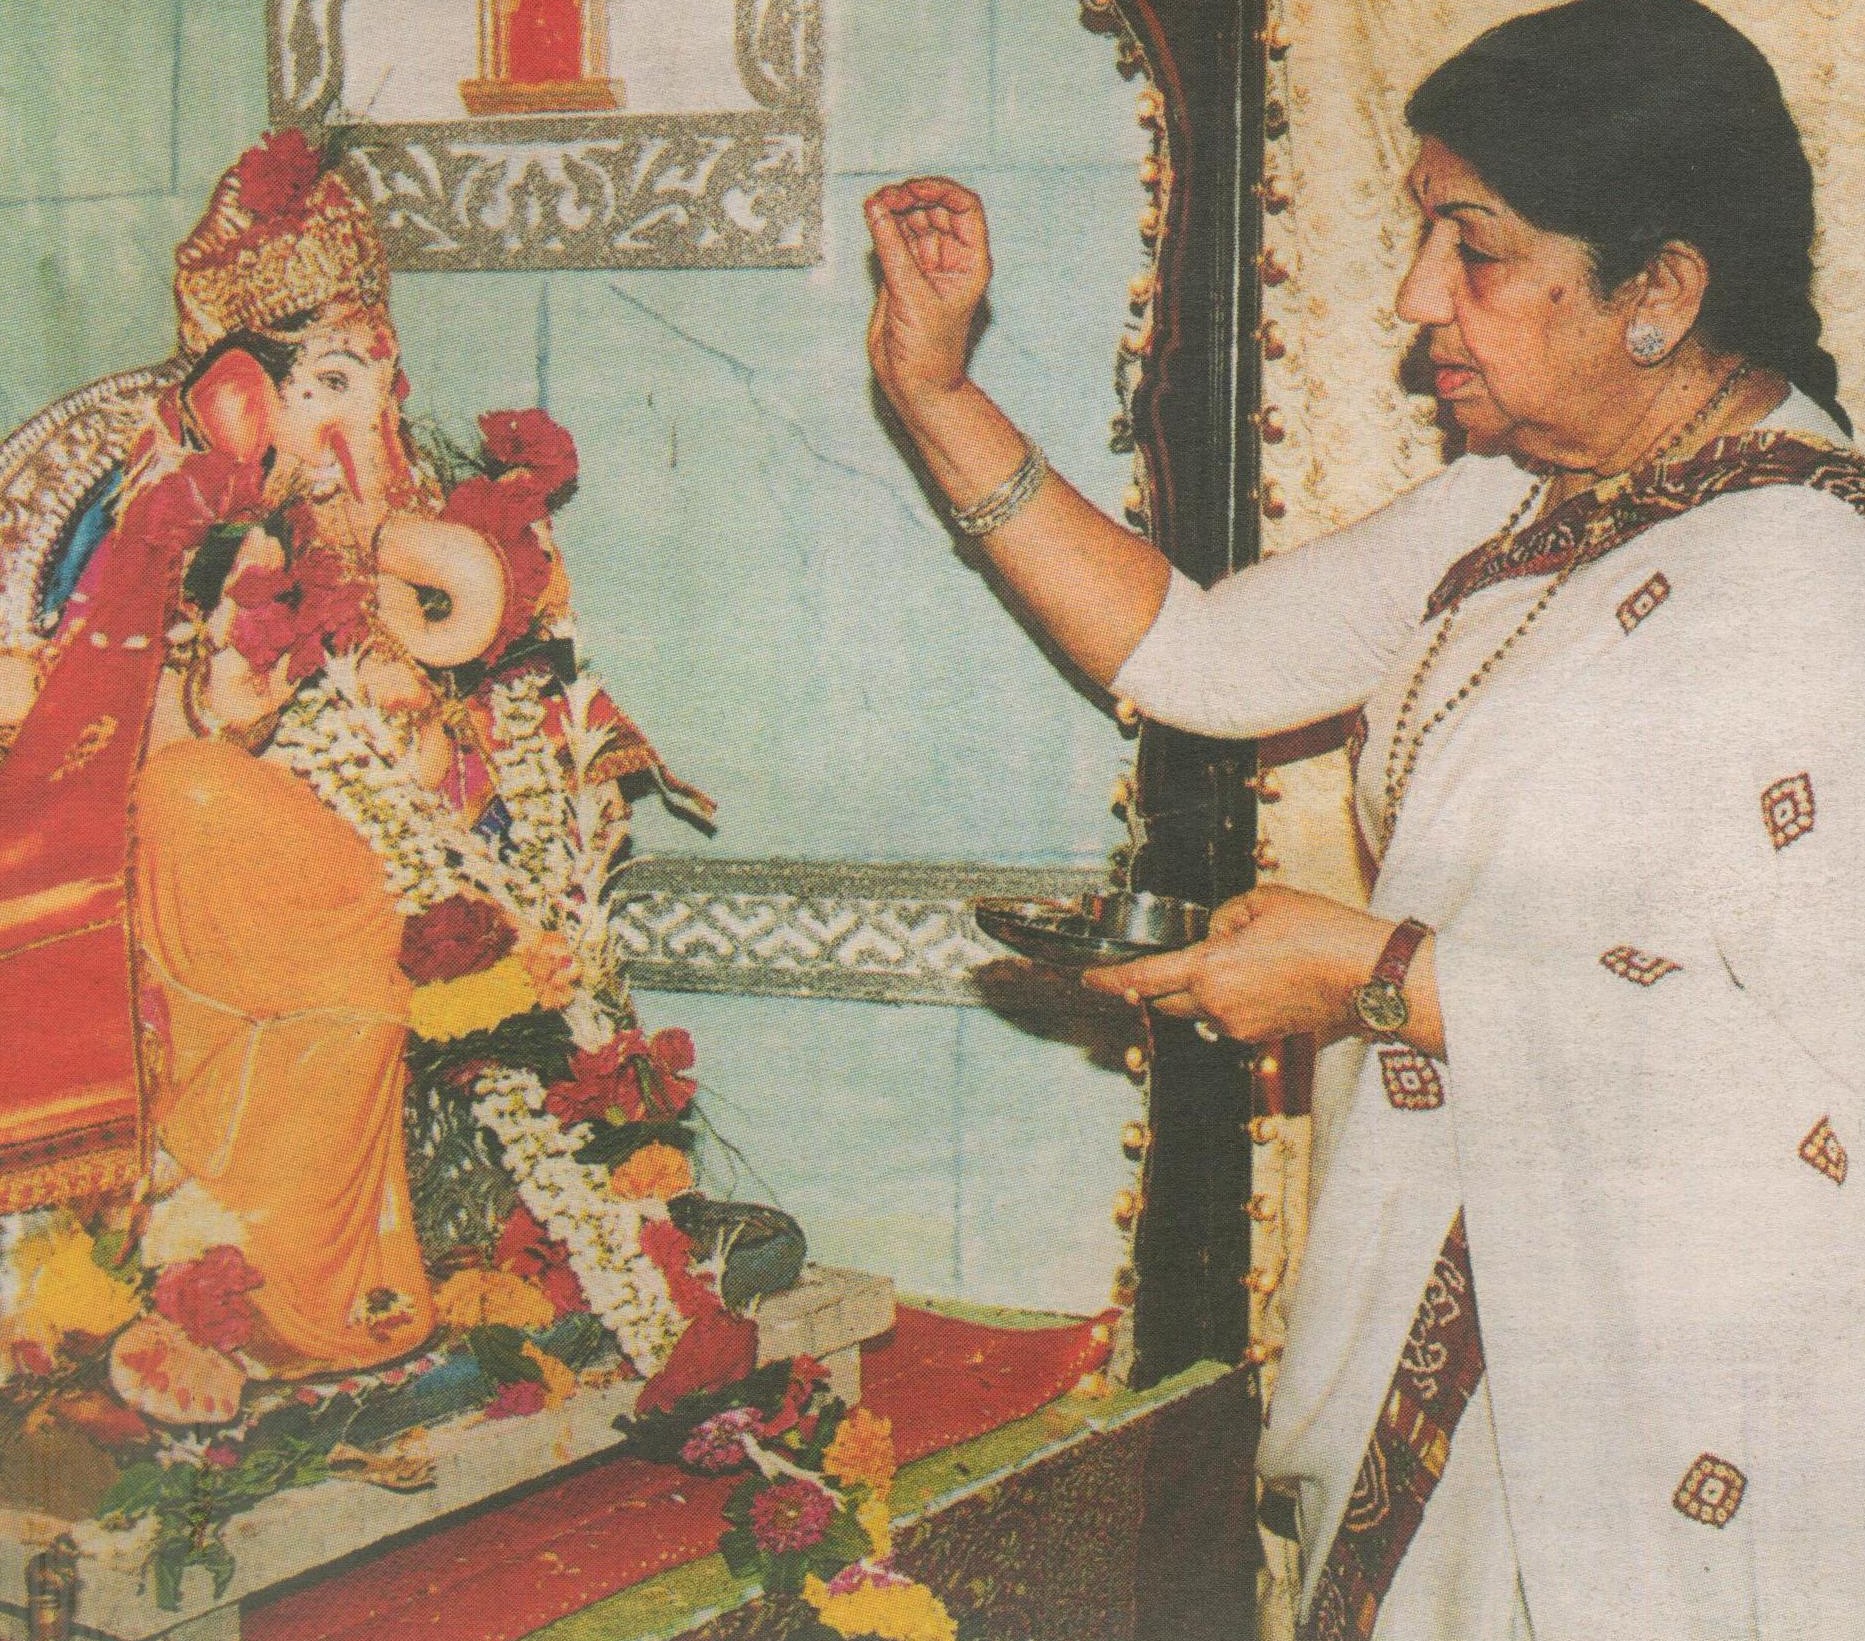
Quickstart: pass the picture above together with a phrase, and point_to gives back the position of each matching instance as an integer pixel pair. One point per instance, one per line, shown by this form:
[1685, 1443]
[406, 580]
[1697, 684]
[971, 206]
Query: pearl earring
[1646, 342]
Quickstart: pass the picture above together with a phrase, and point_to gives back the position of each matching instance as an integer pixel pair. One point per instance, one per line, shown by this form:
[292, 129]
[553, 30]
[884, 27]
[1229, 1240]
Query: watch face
[1381, 1005]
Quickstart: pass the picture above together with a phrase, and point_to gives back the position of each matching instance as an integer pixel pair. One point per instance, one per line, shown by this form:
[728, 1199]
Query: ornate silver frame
[727, 190]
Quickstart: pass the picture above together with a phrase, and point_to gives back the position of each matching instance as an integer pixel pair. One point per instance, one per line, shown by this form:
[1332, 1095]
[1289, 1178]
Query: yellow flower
[863, 1450]
[893, 1612]
[559, 1380]
[446, 1009]
[654, 1171]
[64, 1291]
[875, 1521]
[479, 1299]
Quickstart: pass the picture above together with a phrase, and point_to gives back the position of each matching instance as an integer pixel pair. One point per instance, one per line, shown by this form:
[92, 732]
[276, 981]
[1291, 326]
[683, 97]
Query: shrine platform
[1038, 1509]
[828, 1314]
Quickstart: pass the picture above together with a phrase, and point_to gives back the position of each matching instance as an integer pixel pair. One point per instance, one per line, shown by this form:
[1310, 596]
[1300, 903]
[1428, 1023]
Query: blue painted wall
[760, 578]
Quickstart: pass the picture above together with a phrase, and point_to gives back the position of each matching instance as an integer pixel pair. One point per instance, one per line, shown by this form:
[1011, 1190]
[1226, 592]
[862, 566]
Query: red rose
[669, 1091]
[171, 518]
[641, 1077]
[460, 936]
[807, 1376]
[527, 1250]
[717, 1349]
[277, 172]
[595, 1083]
[206, 1298]
[533, 441]
[316, 606]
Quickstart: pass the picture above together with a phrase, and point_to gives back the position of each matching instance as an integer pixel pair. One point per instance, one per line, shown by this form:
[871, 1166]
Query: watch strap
[1401, 947]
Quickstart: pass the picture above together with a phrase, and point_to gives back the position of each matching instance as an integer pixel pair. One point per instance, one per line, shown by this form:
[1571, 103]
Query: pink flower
[518, 1400]
[718, 1445]
[222, 1455]
[206, 1298]
[792, 1515]
[867, 1575]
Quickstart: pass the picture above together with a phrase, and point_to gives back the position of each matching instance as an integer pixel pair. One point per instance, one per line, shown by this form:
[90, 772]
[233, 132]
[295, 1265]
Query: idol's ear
[235, 406]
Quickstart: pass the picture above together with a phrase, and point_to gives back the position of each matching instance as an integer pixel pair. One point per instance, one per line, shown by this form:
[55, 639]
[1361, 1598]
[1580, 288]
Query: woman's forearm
[1092, 585]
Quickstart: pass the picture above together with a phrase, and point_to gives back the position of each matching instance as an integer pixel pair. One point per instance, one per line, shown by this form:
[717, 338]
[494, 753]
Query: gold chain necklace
[1403, 754]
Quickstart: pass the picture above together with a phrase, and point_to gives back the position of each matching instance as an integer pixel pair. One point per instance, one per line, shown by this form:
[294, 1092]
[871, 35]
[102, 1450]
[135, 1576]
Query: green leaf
[116, 1252]
[136, 1492]
[785, 1574]
[212, 564]
[218, 1560]
[500, 1352]
[844, 1539]
[737, 1508]
[611, 1143]
[576, 1341]
[741, 1552]
[538, 1041]
[167, 1562]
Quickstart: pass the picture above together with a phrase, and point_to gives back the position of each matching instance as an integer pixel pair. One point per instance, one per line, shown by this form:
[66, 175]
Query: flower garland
[572, 1201]
[561, 833]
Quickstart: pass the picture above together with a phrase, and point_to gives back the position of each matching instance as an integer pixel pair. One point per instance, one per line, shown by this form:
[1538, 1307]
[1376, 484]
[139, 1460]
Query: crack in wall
[745, 374]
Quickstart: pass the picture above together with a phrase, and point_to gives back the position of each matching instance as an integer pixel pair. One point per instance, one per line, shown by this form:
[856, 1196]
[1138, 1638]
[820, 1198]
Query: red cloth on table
[513, 1569]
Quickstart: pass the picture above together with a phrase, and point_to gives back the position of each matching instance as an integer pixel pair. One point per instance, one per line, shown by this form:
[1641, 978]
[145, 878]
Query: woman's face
[340, 419]
[1525, 355]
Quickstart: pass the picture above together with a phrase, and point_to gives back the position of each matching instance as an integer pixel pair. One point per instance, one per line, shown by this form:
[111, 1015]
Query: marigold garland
[445, 1010]
[479, 1299]
[890, 1611]
[862, 1451]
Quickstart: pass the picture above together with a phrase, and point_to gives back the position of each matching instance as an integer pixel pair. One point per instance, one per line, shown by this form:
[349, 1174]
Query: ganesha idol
[305, 794]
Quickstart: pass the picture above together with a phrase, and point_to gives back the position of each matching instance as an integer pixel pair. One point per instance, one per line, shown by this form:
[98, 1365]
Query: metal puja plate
[1097, 929]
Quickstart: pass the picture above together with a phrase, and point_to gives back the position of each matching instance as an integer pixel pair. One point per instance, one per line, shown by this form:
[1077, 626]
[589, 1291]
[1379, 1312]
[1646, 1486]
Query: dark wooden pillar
[1193, 420]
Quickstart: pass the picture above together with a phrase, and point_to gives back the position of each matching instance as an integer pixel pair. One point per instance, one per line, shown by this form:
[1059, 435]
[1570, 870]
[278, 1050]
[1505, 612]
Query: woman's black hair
[1629, 123]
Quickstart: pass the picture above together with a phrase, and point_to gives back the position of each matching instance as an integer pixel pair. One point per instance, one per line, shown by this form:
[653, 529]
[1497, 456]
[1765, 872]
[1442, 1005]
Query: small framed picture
[537, 134]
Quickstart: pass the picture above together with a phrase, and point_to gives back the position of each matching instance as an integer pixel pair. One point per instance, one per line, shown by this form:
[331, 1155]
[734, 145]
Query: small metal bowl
[1109, 927]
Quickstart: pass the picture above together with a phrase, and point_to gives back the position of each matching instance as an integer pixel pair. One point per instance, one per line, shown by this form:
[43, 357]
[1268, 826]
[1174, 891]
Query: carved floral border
[724, 190]
[857, 930]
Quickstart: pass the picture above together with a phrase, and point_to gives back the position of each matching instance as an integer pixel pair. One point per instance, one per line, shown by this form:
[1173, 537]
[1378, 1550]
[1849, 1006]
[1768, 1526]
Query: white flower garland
[573, 1202]
[564, 831]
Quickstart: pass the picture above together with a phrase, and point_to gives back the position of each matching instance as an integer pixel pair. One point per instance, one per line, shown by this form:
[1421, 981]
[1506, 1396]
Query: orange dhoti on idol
[271, 936]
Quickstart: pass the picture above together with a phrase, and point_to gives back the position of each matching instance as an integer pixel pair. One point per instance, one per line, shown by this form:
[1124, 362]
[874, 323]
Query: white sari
[1642, 843]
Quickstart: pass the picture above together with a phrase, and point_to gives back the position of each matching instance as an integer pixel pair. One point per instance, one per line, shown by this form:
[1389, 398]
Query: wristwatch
[1380, 1003]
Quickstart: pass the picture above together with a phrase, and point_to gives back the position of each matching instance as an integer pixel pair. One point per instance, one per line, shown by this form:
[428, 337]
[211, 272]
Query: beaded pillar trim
[1592, 525]
[1439, 1371]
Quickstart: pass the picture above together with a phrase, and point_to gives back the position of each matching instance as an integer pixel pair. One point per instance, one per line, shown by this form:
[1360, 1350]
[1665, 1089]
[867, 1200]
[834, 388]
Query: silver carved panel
[730, 189]
[859, 930]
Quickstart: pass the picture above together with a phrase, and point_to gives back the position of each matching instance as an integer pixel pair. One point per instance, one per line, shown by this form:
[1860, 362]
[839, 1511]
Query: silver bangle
[1008, 499]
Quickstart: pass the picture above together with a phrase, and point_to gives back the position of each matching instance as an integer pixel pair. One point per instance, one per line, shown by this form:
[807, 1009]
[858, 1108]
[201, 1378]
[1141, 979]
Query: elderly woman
[1579, 1343]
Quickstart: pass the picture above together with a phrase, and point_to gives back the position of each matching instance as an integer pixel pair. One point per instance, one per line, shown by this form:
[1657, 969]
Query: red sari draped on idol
[72, 1120]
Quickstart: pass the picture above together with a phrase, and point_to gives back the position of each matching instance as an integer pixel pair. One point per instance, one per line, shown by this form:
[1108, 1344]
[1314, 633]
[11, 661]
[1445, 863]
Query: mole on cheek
[1557, 296]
